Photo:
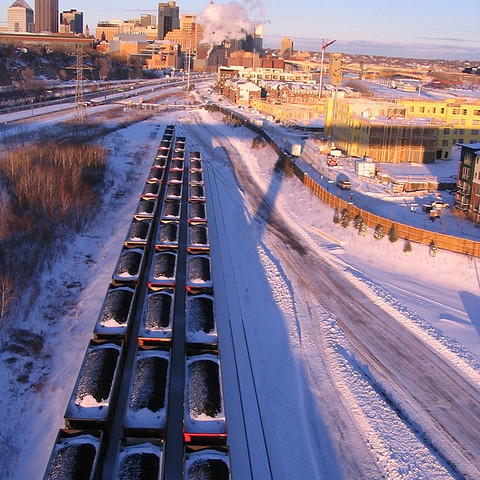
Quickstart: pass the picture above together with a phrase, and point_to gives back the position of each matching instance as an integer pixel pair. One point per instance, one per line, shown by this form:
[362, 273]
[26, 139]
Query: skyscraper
[168, 18]
[46, 16]
[20, 17]
[286, 48]
[74, 19]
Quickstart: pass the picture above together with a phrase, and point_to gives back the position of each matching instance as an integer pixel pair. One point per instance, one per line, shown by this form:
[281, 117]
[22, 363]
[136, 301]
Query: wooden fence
[414, 234]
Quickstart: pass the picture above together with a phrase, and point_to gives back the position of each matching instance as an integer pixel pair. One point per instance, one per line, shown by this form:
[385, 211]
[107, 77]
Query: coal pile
[171, 209]
[149, 384]
[129, 263]
[72, 461]
[156, 174]
[198, 211]
[197, 191]
[140, 466]
[168, 233]
[198, 269]
[177, 164]
[208, 469]
[175, 176]
[174, 190]
[159, 306]
[152, 189]
[199, 314]
[117, 306]
[97, 375]
[146, 207]
[204, 397]
[160, 161]
[139, 230]
[198, 235]
[196, 176]
[164, 267]
[195, 164]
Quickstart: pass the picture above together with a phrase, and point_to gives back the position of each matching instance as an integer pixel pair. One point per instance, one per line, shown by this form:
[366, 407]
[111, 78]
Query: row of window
[455, 111]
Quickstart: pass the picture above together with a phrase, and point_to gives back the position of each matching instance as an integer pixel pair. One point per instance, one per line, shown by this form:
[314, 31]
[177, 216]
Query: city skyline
[414, 28]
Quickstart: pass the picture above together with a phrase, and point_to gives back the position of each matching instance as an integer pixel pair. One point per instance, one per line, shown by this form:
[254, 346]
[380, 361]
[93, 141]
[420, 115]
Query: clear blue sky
[410, 28]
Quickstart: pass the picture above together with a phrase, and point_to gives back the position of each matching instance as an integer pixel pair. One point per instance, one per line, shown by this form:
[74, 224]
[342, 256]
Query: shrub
[407, 246]
[357, 221]
[336, 217]
[379, 232]
[393, 234]
[362, 228]
[258, 142]
[345, 218]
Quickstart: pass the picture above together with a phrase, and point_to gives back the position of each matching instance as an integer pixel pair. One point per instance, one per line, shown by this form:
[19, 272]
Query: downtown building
[168, 18]
[74, 19]
[46, 16]
[20, 17]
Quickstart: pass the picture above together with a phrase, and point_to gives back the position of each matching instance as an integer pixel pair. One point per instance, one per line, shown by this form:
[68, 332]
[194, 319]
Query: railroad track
[149, 396]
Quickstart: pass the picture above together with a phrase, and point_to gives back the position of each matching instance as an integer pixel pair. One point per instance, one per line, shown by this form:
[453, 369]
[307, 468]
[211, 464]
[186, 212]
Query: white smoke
[230, 21]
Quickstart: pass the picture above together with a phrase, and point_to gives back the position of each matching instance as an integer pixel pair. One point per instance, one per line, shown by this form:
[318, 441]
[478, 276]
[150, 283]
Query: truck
[293, 148]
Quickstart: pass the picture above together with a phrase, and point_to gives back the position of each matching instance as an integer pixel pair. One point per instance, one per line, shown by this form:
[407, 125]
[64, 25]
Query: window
[475, 122]
[476, 112]
[456, 111]
[442, 110]
[434, 110]
[464, 111]
[461, 131]
[422, 109]
[460, 140]
[444, 143]
[466, 172]
[446, 131]
[455, 131]
[454, 141]
[412, 109]
[474, 132]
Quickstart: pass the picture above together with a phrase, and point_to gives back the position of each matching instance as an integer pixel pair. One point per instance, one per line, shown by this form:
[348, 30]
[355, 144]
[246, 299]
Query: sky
[412, 28]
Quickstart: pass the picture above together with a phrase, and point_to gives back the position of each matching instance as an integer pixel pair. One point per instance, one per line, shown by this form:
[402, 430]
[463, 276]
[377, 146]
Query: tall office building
[286, 48]
[74, 18]
[335, 69]
[46, 16]
[147, 20]
[20, 17]
[168, 18]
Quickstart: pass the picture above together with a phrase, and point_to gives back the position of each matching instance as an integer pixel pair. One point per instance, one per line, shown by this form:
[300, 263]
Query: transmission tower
[80, 111]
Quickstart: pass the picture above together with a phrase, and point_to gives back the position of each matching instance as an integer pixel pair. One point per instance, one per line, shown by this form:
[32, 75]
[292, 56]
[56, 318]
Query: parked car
[439, 204]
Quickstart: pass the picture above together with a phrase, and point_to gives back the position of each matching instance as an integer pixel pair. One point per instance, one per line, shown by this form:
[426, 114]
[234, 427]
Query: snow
[351, 358]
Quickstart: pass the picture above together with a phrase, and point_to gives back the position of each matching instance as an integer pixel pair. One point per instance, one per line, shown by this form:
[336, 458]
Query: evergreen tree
[393, 234]
[407, 247]
[345, 219]
[336, 217]
[379, 232]
[362, 228]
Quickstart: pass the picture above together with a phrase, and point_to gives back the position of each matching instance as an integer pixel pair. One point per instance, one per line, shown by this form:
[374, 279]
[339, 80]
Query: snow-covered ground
[342, 356]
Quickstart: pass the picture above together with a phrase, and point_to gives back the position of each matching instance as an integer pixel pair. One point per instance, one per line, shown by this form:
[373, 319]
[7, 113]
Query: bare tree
[7, 294]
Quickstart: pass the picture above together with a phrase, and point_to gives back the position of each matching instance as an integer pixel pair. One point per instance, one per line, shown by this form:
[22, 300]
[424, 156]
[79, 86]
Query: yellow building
[402, 131]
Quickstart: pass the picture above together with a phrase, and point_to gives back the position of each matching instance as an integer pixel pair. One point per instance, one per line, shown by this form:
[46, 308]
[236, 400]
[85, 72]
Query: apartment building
[467, 196]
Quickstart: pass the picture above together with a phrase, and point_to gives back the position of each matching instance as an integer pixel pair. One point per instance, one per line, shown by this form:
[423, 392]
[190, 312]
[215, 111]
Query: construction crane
[325, 43]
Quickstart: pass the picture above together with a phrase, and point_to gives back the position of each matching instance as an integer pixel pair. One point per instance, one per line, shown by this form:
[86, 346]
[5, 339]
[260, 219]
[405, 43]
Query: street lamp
[325, 43]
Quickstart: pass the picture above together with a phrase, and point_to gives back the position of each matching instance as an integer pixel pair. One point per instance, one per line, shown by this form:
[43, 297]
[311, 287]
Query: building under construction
[382, 131]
